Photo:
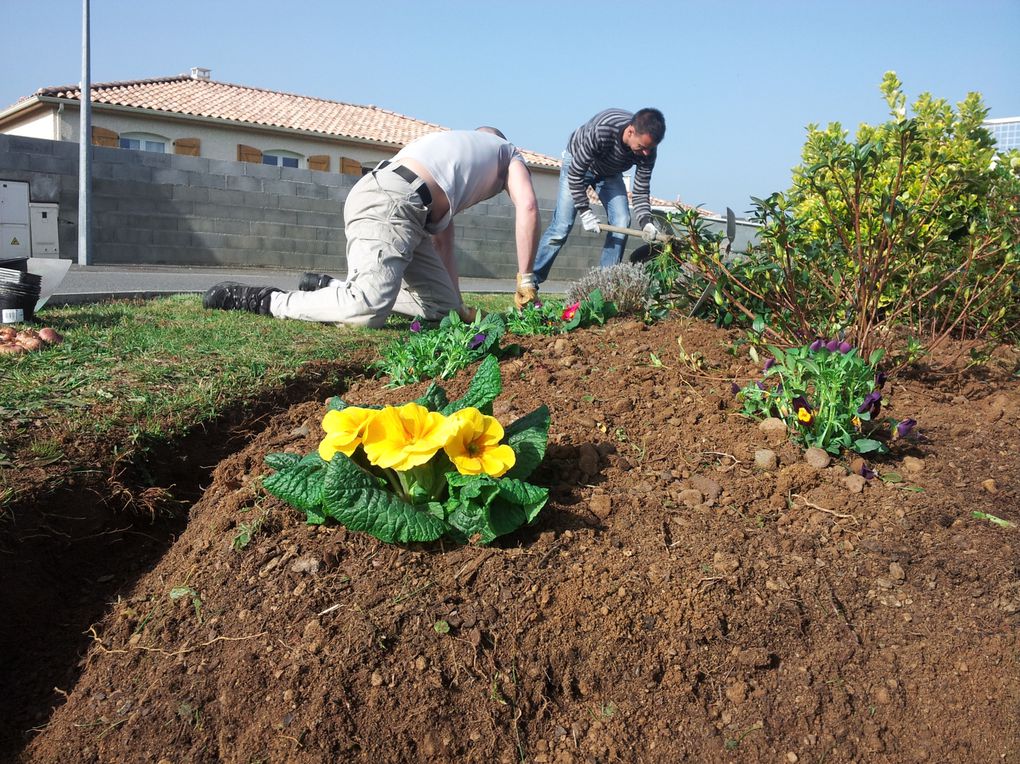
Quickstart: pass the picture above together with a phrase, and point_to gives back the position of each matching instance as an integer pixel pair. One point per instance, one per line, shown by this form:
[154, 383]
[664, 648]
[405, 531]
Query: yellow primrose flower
[344, 430]
[406, 436]
[474, 448]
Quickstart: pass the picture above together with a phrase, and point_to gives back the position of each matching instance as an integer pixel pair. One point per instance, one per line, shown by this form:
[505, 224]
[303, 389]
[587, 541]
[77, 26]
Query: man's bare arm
[527, 222]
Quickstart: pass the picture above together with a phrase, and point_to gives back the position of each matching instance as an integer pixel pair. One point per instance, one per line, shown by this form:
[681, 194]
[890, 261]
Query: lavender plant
[628, 286]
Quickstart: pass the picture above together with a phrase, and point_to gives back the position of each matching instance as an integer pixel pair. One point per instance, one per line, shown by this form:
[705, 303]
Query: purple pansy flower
[880, 379]
[734, 388]
[871, 404]
[476, 341]
[769, 364]
[416, 325]
[832, 346]
[817, 345]
[802, 410]
[537, 303]
[904, 427]
[760, 385]
[865, 471]
[845, 347]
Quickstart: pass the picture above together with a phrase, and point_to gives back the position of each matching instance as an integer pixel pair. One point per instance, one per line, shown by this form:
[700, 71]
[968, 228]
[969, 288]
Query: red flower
[570, 311]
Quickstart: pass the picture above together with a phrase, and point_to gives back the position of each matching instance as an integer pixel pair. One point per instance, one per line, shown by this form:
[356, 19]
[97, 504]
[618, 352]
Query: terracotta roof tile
[182, 94]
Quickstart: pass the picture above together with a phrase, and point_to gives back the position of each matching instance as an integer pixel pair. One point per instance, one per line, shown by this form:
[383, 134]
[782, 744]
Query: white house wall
[40, 126]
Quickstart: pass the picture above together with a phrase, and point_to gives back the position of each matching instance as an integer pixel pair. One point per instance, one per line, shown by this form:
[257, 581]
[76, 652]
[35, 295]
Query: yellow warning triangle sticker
[15, 242]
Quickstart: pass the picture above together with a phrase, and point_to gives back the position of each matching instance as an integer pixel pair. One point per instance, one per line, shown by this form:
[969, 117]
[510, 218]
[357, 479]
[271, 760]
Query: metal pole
[85, 147]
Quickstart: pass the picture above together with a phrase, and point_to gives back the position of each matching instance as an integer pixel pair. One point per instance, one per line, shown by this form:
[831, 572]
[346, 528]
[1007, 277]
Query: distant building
[192, 114]
[1006, 132]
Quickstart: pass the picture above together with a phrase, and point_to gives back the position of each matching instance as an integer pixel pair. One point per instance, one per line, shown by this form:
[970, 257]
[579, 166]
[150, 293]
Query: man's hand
[527, 290]
[467, 313]
[649, 233]
[589, 222]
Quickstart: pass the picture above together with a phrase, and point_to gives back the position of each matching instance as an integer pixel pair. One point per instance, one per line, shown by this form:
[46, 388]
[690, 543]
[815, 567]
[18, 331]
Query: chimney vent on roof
[198, 73]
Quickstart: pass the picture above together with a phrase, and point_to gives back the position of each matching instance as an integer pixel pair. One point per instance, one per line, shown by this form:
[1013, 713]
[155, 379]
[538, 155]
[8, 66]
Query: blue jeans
[611, 192]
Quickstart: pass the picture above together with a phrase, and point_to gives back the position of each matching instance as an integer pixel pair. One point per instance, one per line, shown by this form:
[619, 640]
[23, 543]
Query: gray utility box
[43, 224]
[14, 234]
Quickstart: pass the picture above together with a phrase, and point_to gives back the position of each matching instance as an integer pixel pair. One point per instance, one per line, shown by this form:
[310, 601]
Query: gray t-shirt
[470, 166]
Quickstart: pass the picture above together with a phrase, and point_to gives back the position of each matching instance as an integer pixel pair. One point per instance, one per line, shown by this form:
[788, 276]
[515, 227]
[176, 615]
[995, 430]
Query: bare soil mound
[671, 603]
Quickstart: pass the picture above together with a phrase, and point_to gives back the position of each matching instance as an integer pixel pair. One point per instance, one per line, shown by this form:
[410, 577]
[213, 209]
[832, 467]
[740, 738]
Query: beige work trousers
[392, 265]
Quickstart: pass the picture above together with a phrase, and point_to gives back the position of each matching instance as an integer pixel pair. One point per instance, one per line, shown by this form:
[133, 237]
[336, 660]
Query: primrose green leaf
[361, 502]
[778, 354]
[867, 445]
[891, 477]
[876, 356]
[300, 484]
[335, 403]
[527, 437]
[531, 498]
[282, 461]
[434, 398]
[482, 391]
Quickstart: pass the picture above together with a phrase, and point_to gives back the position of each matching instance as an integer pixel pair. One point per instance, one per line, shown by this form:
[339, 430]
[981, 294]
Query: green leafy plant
[538, 317]
[829, 396]
[179, 592]
[442, 351]
[910, 229]
[593, 309]
[429, 469]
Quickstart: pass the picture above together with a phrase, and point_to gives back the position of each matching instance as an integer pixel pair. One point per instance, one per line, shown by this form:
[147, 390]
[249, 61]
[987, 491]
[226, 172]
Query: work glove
[527, 290]
[590, 222]
[649, 233]
[467, 313]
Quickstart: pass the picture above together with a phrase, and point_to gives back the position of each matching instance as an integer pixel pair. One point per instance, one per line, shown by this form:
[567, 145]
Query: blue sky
[737, 81]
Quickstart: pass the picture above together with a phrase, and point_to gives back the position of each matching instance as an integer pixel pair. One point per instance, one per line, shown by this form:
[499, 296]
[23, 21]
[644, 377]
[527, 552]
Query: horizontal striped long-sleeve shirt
[597, 146]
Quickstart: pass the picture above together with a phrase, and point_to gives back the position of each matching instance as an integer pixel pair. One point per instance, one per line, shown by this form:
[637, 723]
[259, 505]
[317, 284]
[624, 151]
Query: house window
[281, 158]
[143, 142]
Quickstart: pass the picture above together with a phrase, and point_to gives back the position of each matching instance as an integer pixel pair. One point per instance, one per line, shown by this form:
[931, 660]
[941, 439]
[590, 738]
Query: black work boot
[312, 281]
[229, 295]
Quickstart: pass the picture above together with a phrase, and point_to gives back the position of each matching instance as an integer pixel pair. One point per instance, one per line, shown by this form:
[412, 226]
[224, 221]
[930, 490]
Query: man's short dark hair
[491, 131]
[650, 122]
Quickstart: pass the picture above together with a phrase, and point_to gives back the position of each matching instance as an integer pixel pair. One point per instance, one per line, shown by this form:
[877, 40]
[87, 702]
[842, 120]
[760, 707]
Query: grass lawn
[143, 371]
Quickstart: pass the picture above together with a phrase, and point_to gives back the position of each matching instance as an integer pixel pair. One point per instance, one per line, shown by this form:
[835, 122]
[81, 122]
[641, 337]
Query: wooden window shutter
[350, 166]
[319, 162]
[248, 153]
[189, 147]
[103, 137]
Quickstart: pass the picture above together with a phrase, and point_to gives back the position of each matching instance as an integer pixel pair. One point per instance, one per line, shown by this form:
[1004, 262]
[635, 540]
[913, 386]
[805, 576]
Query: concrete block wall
[164, 209]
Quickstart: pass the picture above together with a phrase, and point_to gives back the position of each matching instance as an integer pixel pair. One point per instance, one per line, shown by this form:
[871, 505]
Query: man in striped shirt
[597, 154]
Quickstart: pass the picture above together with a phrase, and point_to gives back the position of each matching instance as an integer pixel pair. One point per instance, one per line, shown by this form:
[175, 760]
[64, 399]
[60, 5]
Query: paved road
[84, 284]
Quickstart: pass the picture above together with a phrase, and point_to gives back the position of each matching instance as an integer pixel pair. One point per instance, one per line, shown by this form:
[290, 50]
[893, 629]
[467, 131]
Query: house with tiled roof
[188, 170]
[194, 115]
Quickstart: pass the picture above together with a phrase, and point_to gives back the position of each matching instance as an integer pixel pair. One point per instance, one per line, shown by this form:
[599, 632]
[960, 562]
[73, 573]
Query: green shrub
[908, 232]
